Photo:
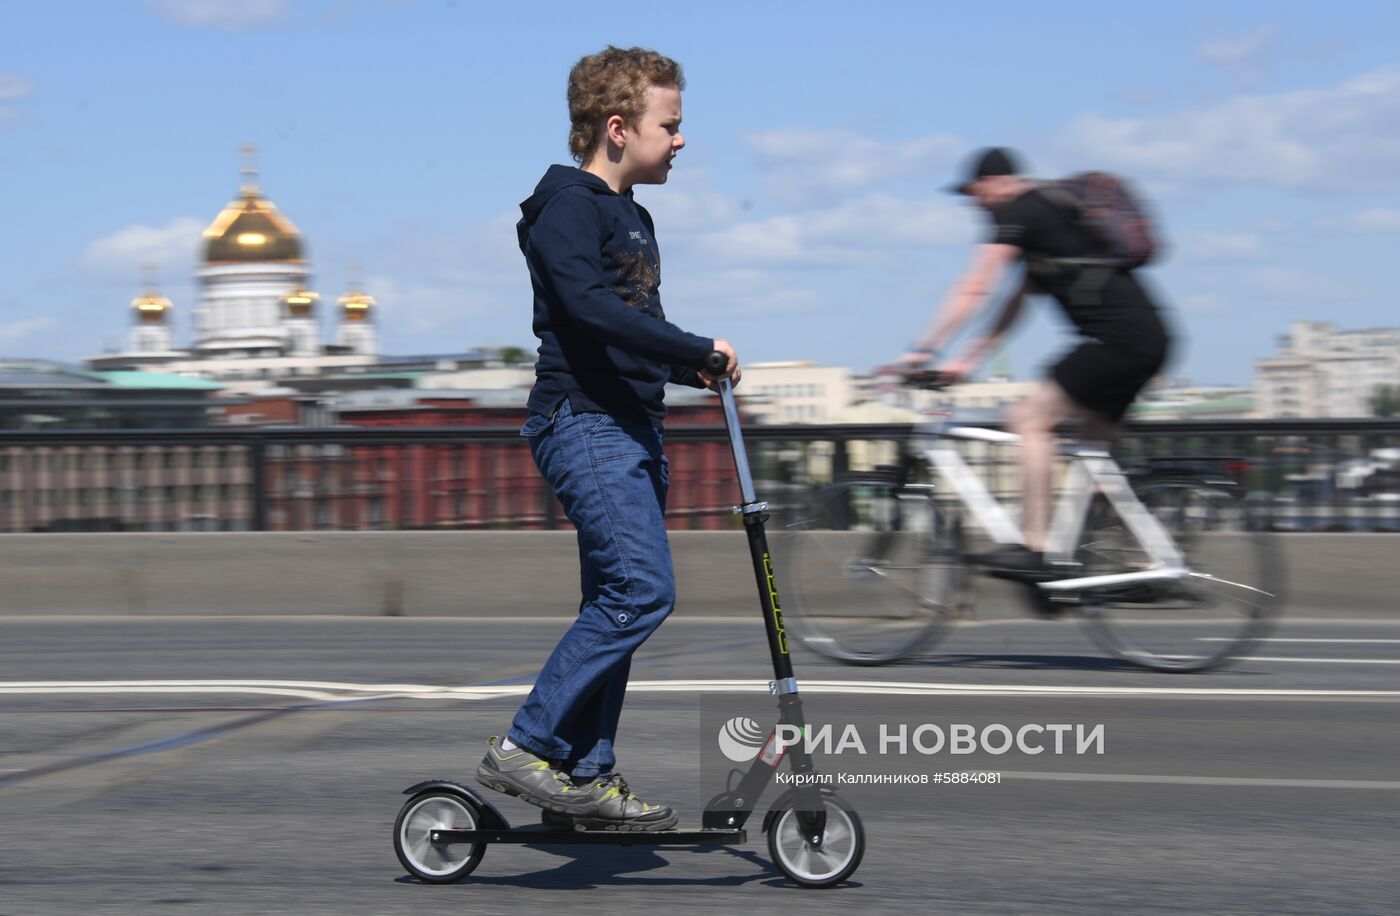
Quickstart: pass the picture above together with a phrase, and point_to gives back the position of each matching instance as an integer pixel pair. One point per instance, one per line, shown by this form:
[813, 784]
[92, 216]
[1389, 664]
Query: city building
[795, 392]
[43, 394]
[487, 480]
[113, 484]
[983, 401]
[1179, 401]
[1320, 371]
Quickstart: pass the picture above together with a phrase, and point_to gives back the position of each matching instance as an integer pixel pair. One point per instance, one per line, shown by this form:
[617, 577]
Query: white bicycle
[1165, 566]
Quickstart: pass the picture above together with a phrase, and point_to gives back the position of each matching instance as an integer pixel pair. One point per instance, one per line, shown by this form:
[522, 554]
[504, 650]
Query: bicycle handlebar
[928, 380]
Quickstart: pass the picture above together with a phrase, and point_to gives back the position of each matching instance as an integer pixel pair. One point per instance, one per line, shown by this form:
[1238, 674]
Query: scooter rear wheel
[437, 863]
[823, 864]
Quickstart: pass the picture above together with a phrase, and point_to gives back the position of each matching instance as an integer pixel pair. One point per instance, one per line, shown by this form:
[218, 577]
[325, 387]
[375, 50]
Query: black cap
[996, 160]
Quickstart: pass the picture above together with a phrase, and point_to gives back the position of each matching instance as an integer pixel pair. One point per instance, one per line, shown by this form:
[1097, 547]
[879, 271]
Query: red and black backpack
[1108, 208]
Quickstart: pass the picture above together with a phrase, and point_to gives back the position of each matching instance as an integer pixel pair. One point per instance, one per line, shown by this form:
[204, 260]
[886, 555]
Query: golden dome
[301, 303]
[356, 306]
[150, 307]
[251, 229]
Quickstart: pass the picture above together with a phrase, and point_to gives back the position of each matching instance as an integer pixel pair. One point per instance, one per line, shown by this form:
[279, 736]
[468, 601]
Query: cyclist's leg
[1095, 427]
[1034, 418]
[1096, 382]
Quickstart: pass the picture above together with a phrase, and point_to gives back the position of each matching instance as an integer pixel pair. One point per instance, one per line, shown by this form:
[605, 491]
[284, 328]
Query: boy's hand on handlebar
[732, 371]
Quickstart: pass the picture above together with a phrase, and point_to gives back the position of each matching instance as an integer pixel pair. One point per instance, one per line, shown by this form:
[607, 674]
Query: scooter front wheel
[822, 861]
[437, 863]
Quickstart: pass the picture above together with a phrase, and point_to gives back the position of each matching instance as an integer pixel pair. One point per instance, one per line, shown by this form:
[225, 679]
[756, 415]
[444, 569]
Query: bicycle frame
[1091, 469]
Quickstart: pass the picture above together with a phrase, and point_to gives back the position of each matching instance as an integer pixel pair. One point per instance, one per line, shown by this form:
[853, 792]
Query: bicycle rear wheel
[874, 571]
[1216, 613]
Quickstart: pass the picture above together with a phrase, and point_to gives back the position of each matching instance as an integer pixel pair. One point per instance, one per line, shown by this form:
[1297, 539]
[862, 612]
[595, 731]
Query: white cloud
[1294, 284]
[468, 288]
[1221, 247]
[12, 89]
[688, 203]
[1367, 221]
[121, 254]
[14, 331]
[805, 164]
[222, 14]
[1233, 51]
[703, 300]
[1343, 138]
[1243, 55]
[864, 231]
[443, 306]
[1203, 302]
[452, 290]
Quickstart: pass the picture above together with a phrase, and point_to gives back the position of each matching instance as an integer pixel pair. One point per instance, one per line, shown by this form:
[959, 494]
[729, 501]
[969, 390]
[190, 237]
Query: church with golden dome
[256, 318]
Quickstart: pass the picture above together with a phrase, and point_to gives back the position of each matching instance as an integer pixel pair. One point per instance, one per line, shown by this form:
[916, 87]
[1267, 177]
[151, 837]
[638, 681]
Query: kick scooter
[814, 837]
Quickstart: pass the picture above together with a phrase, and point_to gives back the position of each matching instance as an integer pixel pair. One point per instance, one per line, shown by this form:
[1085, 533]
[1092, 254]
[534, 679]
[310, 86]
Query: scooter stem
[736, 443]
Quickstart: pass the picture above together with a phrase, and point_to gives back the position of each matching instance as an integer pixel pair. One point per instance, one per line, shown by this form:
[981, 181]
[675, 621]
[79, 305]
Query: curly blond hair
[613, 82]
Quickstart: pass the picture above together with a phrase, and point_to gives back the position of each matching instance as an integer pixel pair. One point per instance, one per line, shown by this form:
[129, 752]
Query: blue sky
[803, 220]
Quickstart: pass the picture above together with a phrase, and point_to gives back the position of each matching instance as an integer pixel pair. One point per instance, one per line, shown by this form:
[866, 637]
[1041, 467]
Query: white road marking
[262, 619]
[343, 691]
[680, 616]
[1258, 782]
[266, 689]
[1298, 639]
[1326, 661]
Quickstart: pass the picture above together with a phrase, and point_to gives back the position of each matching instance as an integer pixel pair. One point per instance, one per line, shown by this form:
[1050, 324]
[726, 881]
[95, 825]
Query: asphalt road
[255, 765]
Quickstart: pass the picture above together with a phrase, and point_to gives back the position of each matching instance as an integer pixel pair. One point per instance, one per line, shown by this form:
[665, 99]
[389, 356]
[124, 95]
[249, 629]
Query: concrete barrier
[487, 573]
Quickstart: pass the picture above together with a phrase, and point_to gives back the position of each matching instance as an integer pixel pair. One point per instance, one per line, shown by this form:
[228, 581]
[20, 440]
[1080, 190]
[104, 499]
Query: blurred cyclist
[1123, 340]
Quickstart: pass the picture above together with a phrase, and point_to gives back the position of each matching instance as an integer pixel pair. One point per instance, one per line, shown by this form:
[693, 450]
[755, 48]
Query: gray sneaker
[614, 807]
[531, 779]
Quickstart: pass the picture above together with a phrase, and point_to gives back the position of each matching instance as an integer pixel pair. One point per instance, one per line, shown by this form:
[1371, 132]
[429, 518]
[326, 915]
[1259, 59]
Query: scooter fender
[491, 818]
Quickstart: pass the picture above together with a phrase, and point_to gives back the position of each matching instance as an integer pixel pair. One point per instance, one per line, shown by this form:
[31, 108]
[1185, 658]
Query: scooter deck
[710, 837]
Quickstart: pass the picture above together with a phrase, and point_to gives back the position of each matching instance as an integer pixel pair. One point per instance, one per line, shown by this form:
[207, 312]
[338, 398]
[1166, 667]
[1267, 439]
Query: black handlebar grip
[929, 380]
[716, 363]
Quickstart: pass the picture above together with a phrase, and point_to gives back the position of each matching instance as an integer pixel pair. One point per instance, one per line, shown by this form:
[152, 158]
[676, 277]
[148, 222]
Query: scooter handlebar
[716, 363]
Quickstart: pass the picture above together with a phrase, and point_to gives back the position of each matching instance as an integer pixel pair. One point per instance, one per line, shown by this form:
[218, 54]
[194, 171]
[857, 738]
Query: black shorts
[1106, 378]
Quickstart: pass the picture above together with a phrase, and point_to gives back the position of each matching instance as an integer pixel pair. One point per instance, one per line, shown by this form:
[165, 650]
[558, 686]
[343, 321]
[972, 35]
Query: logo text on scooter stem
[740, 739]
[777, 606]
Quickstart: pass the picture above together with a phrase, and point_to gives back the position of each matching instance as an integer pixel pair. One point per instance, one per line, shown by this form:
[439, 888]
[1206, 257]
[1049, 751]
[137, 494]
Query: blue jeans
[611, 476]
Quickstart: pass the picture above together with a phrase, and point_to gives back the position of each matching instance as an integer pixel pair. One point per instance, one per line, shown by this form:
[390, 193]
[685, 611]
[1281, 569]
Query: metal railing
[1316, 475]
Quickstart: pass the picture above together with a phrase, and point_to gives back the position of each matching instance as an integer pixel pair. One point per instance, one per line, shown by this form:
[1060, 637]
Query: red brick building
[487, 481]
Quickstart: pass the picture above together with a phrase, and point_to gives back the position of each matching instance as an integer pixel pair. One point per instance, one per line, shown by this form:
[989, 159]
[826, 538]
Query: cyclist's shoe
[1017, 563]
[531, 779]
[614, 808]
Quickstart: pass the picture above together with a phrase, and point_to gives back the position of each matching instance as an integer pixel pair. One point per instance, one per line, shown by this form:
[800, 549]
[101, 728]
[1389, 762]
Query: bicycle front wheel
[1217, 612]
[874, 571]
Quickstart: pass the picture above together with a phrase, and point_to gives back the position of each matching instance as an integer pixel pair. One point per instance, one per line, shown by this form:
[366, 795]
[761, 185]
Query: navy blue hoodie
[605, 343]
